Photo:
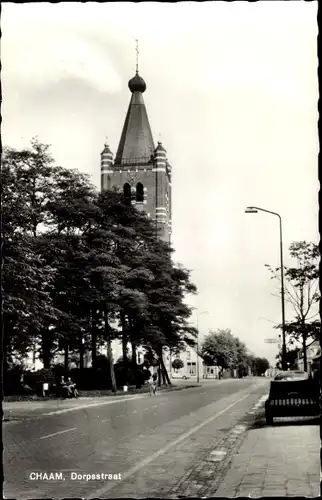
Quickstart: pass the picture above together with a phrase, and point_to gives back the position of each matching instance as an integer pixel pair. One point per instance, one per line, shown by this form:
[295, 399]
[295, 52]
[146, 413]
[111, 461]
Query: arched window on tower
[127, 193]
[139, 192]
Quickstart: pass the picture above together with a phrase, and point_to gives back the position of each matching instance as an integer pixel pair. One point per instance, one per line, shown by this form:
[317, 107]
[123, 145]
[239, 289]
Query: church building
[140, 170]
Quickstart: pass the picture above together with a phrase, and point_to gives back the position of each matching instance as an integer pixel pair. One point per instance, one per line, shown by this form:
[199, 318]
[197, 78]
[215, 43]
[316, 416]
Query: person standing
[154, 383]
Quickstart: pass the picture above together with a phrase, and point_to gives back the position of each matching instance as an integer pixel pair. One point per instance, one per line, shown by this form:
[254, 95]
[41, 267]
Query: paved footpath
[276, 461]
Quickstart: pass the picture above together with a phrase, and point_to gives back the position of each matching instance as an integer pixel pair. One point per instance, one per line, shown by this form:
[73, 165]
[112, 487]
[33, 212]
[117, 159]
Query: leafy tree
[151, 308]
[27, 280]
[291, 358]
[79, 263]
[302, 292]
[219, 348]
[177, 364]
[261, 365]
[27, 187]
[242, 361]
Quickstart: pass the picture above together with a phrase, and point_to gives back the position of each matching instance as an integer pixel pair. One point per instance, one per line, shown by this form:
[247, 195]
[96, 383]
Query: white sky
[231, 88]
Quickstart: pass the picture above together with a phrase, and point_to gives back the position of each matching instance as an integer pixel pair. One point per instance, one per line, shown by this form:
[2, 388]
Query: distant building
[211, 371]
[191, 363]
[312, 352]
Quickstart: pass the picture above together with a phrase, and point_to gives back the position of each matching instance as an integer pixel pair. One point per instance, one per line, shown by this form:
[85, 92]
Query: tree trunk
[46, 349]
[81, 354]
[94, 338]
[161, 368]
[134, 363]
[159, 374]
[109, 350]
[5, 365]
[124, 347]
[304, 352]
[135, 368]
[66, 356]
[124, 350]
[166, 377]
[124, 339]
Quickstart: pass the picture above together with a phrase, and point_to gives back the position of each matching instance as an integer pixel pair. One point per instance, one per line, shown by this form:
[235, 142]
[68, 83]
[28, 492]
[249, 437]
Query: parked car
[185, 377]
[292, 375]
[292, 394]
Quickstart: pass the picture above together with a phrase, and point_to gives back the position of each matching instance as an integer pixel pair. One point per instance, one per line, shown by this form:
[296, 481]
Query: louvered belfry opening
[127, 193]
[139, 192]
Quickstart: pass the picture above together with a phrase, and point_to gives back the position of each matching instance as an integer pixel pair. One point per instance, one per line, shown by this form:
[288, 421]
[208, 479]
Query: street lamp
[255, 210]
[197, 365]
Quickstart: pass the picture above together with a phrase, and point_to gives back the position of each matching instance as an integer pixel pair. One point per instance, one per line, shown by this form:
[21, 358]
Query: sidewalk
[282, 460]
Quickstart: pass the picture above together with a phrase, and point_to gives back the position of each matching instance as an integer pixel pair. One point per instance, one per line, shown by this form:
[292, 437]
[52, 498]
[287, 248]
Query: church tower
[140, 170]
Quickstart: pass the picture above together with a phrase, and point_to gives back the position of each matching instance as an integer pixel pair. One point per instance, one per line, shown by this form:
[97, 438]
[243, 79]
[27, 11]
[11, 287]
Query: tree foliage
[302, 292]
[291, 358]
[259, 366]
[221, 348]
[81, 268]
[177, 364]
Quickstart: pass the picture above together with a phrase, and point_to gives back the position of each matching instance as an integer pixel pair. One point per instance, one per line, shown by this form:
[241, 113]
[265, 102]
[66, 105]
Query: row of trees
[81, 268]
[221, 348]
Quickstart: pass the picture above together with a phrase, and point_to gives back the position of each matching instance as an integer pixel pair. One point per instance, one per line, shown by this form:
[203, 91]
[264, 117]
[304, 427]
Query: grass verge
[99, 393]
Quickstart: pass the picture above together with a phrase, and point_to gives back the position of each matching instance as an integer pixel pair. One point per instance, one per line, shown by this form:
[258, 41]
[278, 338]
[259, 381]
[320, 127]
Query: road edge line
[82, 407]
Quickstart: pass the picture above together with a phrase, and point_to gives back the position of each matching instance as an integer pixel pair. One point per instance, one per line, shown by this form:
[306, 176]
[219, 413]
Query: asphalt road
[143, 445]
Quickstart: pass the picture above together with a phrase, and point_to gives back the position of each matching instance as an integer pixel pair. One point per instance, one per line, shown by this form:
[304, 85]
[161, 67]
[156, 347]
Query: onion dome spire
[137, 84]
[136, 144]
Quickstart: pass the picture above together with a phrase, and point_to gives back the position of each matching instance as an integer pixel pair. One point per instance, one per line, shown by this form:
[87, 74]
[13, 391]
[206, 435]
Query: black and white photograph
[160, 250]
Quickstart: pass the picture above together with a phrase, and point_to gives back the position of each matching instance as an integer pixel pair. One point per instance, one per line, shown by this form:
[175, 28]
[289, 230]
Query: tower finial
[106, 141]
[137, 56]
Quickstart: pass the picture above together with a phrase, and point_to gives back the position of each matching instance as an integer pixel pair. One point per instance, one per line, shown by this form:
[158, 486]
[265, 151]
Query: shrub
[59, 371]
[35, 379]
[102, 362]
[122, 376]
[177, 364]
[89, 379]
[12, 380]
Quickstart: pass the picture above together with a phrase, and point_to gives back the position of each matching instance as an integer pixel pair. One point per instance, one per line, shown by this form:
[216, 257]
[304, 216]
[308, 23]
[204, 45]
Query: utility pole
[255, 210]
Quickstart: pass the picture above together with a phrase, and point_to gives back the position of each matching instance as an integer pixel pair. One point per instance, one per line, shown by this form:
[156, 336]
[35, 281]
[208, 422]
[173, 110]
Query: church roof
[106, 150]
[136, 143]
[160, 147]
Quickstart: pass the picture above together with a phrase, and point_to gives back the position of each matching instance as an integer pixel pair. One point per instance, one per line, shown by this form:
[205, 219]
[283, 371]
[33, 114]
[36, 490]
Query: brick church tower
[140, 170]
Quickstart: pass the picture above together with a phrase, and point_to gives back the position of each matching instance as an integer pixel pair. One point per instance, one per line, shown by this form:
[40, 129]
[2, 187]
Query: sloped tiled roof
[136, 140]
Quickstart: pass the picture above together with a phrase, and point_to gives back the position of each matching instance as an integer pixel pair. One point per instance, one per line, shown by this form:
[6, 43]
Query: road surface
[113, 447]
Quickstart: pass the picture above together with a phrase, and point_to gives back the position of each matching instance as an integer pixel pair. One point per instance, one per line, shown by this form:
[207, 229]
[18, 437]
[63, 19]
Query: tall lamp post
[255, 210]
[197, 364]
